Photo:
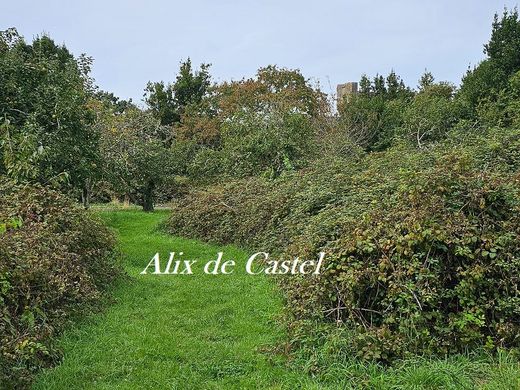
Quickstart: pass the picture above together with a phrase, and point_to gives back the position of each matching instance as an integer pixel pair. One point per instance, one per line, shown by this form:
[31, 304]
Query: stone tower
[343, 91]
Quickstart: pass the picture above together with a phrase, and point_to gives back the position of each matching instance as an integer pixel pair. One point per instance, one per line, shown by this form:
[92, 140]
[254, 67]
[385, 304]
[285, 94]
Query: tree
[167, 102]
[365, 85]
[259, 144]
[190, 87]
[430, 114]
[46, 133]
[370, 118]
[113, 103]
[426, 80]
[159, 98]
[135, 158]
[394, 85]
[149, 166]
[262, 125]
[504, 46]
[378, 86]
[485, 83]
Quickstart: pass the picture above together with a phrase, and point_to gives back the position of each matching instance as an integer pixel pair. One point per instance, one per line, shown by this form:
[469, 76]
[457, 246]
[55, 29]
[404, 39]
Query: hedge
[55, 261]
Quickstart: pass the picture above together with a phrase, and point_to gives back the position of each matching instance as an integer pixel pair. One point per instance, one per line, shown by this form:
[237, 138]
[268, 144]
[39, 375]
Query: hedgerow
[55, 261]
[423, 249]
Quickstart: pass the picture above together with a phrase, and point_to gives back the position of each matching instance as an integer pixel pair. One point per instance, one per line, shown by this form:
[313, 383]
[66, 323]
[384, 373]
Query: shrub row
[55, 261]
[423, 245]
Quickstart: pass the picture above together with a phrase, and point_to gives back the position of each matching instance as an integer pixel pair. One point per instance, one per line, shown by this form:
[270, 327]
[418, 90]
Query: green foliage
[513, 102]
[426, 80]
[112, 103]
[260, 126]
[136, 158]
[55, 261]
[44, 112]
[430, 114]
[485, 89]
[504, 46]
[371, 117]
[253, 144]
[169, 101]
[21, 154]
[422, 245]
[484, 81]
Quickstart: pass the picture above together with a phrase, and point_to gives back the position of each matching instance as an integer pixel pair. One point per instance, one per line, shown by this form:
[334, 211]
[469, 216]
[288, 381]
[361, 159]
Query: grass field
[210, 332]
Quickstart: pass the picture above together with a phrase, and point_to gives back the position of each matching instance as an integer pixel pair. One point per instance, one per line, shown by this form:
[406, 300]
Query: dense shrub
[55, 260]
[258, 212]
[423, 249]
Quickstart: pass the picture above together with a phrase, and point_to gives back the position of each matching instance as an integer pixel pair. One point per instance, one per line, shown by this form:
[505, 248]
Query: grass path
[174, 332]
[207, 332]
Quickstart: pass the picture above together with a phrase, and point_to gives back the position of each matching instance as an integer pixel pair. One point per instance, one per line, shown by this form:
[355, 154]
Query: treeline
[58, 128]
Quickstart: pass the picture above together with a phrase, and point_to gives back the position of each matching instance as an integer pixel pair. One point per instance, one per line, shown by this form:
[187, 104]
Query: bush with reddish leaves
[55, 261]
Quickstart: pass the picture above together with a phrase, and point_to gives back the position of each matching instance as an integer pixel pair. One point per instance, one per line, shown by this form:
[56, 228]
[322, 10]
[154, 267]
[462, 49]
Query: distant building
[344, 91]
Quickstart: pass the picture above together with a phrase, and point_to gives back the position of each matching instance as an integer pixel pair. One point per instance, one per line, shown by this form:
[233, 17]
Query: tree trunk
[85, 194]
[126, 202]
[148, 197]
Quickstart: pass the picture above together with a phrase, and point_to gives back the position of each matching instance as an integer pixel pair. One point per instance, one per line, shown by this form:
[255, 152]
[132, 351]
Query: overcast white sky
[330, 41]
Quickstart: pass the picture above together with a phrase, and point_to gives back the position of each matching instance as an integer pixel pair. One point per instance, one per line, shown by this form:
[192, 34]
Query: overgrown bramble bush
[55, 261]
[423, 246]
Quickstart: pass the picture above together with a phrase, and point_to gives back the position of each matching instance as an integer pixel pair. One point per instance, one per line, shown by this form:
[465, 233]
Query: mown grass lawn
[174, 332]
[210, 332]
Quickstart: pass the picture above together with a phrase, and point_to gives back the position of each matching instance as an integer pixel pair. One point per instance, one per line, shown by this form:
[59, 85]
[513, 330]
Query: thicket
[414, 198]
[422, 246]
[56, 260]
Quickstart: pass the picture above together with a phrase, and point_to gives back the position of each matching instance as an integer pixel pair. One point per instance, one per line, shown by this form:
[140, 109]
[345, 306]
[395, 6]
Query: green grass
[174, 331]
[209, 332]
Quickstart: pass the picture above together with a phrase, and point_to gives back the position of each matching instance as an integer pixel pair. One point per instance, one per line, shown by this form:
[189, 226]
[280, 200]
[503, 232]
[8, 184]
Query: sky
[330, 41]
